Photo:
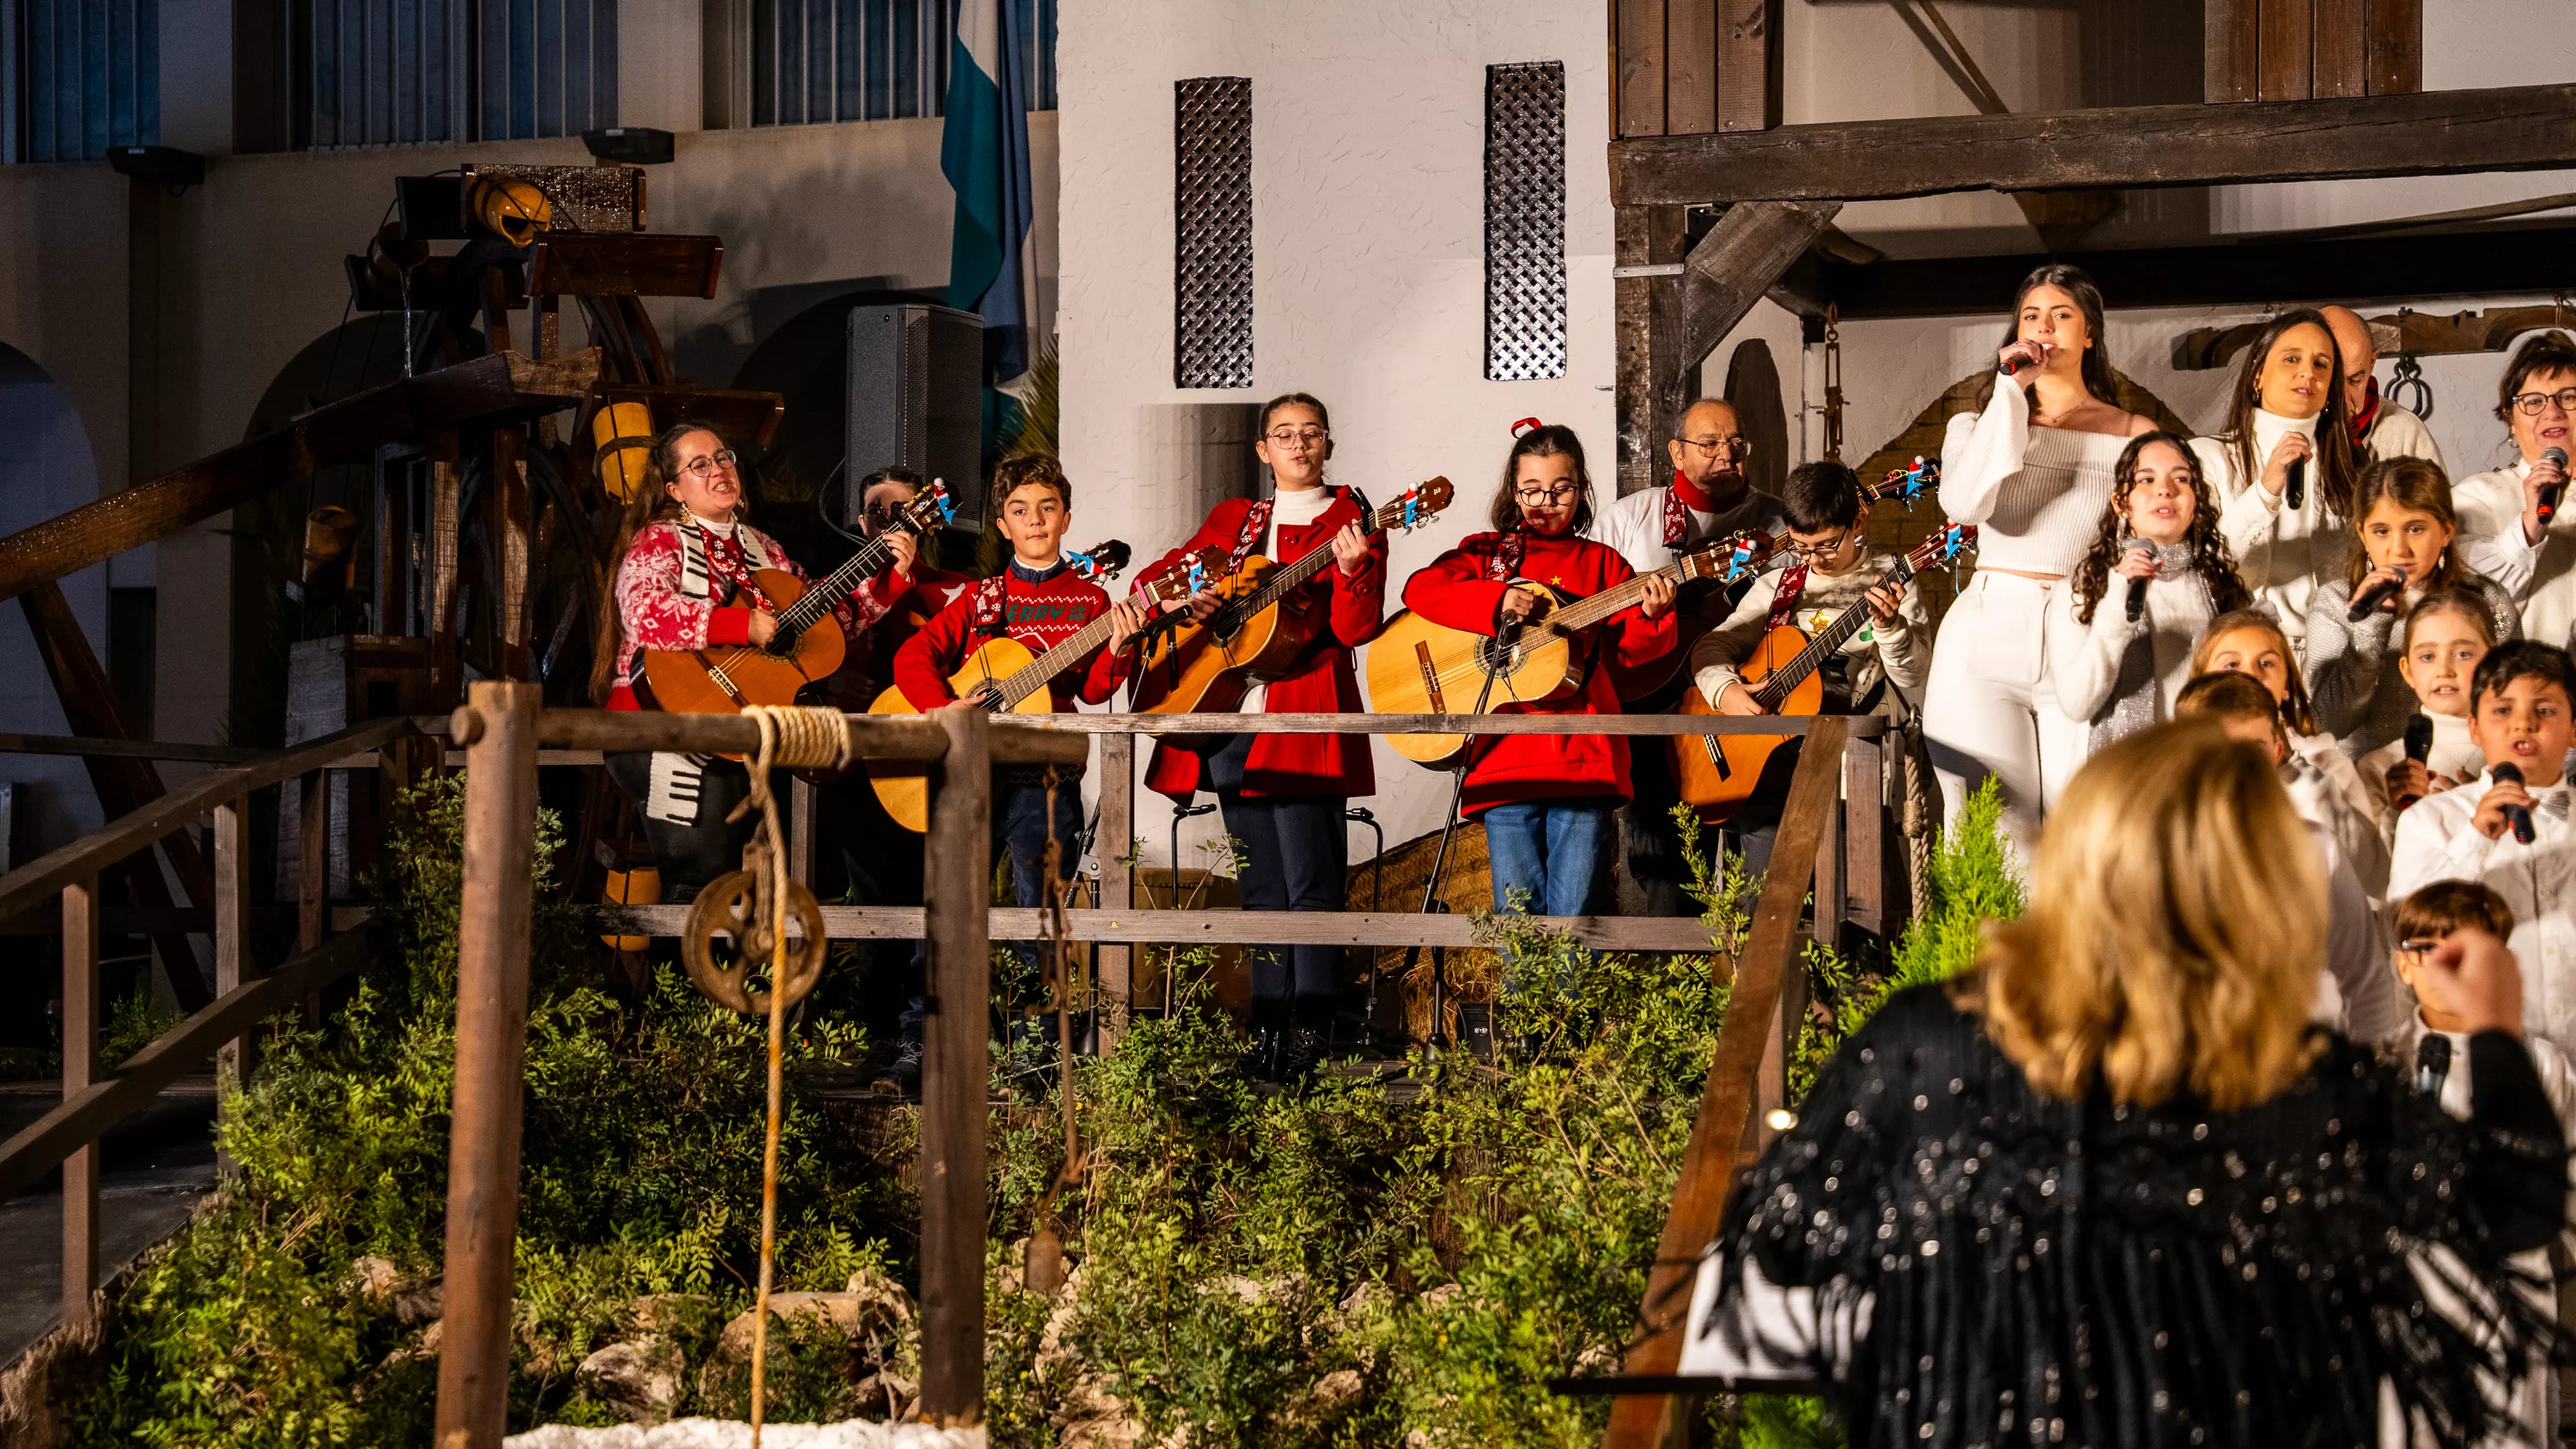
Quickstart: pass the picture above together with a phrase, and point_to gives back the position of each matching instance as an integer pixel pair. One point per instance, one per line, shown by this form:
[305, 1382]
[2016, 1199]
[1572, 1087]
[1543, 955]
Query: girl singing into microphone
[2033, 470]
[2404, 529]
[2284, 467]
[2120, 632]
[2447, 632]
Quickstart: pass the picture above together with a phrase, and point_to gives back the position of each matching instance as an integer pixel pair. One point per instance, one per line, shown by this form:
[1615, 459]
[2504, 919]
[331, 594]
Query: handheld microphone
[2137, 587]
[2374, 596]
[2432, 1063]
[2419, 748]
[2294, 491]
[2517, 816]
[2550, 495]
[2013, 367]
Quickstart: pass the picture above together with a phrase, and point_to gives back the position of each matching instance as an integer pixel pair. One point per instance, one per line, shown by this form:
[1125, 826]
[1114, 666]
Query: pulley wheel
[729, 906]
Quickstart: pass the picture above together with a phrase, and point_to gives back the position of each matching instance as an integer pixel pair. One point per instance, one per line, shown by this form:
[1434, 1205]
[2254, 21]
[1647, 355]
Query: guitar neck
[1038, 673]
[817, 601]
[1821, 648]
[1584, 613]
[1289, 578]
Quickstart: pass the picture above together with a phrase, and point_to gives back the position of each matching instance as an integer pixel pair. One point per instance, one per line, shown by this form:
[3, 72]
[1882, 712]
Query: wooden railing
[503, 729]
[95, 1101]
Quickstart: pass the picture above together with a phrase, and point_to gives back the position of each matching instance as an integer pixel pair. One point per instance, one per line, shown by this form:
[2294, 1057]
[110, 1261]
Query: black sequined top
[2044, 1272]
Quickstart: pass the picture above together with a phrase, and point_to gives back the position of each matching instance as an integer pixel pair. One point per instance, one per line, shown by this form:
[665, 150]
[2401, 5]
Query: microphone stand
[1432, 905]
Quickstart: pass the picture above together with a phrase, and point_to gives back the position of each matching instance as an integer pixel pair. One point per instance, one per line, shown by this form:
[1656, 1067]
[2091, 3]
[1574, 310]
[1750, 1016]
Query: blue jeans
[1550, 850]
[1020, 829]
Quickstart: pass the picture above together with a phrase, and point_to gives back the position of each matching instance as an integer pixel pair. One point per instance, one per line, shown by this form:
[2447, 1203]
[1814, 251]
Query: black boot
[905, 1070]
[1260, 1061]
[1310, 1036]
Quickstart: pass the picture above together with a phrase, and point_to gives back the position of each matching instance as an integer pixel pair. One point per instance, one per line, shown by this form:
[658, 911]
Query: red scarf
[1506, 562]
[2368, 417]
[1256, 526]
[1793, 585]
[1679, 500]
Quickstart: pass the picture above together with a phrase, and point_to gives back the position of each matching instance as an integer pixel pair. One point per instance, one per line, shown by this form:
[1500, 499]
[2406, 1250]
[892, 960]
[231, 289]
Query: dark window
[408, 72]
[873, 60]
[81, 76]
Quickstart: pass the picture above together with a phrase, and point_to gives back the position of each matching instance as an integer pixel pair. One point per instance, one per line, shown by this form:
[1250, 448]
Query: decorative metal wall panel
[1525, 221]
[1212, 263]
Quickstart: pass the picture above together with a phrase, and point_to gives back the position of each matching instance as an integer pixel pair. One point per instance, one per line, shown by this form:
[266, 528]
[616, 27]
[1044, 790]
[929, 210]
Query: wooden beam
[1691, 65]
[1731, 269]
[2232, 39]
[1748, 65]
[486, 392]
[491, 1049]
[2395, 42]
[46, 1142]
[2501, 261]
[232, 955]
[2284, 67]
[1726, 1103]
[80, 1062]
[1114, 964]
[955, 1066]
[17, 744]
[1643, 304]
[1641, 26]
[2339, 53]
[2517, 128]
[1131, 927]
[636, 264]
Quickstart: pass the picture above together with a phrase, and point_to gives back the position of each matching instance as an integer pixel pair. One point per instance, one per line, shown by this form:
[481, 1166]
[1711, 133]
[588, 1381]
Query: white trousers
[1989, 710]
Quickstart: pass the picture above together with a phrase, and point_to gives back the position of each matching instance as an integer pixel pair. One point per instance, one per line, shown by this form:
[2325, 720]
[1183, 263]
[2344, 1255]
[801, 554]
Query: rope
[790, 736]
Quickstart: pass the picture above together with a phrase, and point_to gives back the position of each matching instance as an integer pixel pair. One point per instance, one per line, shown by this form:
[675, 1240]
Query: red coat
[1507, 769]
[1319, 681]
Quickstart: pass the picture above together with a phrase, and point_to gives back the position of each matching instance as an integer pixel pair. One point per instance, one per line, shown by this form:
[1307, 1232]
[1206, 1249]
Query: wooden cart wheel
[728, 906]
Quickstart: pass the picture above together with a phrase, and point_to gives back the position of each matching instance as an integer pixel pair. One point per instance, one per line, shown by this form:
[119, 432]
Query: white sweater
[2455, 756]
[2035, 494]
[2435, 841]
[2327, 791]
[2400, 434]
[1634, 525]
[2541, 577]
[2283, 552]
[2084, 659]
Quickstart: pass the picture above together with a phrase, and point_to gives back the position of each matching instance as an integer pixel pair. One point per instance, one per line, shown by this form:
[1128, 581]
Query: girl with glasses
[1545, 800]
[1284, 795]
[2502, 533]
[2032, 469]
[683, 551]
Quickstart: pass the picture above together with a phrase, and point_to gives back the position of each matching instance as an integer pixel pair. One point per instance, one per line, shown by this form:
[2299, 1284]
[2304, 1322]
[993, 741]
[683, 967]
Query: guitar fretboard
[1287, 580]
[814, 603]
[1827, 640]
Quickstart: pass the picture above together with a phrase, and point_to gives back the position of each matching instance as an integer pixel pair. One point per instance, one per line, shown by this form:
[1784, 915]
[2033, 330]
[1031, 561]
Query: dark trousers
[1651, 843]
[1296, 846]
[1020, 832]
[688, 856]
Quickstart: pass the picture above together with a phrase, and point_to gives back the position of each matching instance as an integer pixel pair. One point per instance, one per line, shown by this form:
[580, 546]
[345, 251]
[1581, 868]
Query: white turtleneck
[2283, 552]
[2540, 576]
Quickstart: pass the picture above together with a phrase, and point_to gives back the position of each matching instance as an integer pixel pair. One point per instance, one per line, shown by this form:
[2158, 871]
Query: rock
[640, 1380]
[1335, 1389]
[696, 1433]
[1438, 1298]
[898, 1396]
[860, 1314]
[669, 1312]
[376, 1277]
[1599, 1358]
[886, 1293]
[420, 1303]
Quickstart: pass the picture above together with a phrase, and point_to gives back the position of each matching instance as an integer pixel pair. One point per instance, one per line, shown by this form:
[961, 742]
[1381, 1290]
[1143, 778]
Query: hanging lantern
[621, 435]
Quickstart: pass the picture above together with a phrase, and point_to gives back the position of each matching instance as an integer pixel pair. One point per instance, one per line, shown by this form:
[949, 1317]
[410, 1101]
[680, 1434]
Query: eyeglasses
[1297, 437]
[1711, 447]
[1533, 497]
[2531, 403]
[1818, 552]
[700, 467]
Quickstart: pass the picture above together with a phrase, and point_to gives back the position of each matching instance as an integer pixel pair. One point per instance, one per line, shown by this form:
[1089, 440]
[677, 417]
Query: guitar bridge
[722, 680]
[1430, 678]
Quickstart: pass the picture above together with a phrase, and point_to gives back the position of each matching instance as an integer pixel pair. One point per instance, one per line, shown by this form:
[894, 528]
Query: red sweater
[1455, 590]
[1350, 609]
[1039, 611]
[654, 613]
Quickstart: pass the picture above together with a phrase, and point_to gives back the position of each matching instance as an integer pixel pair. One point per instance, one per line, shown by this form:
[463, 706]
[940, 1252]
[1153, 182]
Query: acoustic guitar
[722, 678]
[1004, 677]
[1264, 622]
[1419, 667]
[1717, 773]
[1704, 609]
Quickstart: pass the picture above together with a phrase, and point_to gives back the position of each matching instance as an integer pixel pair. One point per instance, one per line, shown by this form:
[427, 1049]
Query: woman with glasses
[1545, 800]
[2502, 532]
[682, 552]
[1284, 795]
[2032, 469]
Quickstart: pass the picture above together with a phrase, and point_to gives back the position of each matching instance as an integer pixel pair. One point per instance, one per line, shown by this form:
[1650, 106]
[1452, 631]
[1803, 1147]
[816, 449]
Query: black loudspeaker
[916, 399]
[633, 145]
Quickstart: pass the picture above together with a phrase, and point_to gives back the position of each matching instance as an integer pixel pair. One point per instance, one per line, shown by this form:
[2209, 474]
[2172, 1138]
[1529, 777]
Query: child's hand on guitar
[904, 547]
[1736, 699]
[1519, 603]
[1658, 593]
[1126, 621]
[1350, 550]
[1884, 602]
[764, 627]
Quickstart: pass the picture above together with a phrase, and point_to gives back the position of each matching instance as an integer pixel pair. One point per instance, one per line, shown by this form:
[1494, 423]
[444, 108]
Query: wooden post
[445, 496]
[491, 1047]
[957, 867]
[80, 1053]
[1749, 66]
[1116, 841]
[232, 952]
[1830, 881]
[802, 801]
[2284, 65]
[508, 525]
[1647, 311]
[1865, 830]
[313, 874]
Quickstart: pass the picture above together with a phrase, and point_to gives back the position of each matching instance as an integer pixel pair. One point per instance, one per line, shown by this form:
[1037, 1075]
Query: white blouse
[2281, 551]
[2084, 659]
[2035, 494]
[2541, 577]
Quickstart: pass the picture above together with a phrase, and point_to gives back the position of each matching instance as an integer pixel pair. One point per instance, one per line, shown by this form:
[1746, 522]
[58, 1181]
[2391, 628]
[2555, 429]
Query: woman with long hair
[2284, 467]
[682, 553]
[2116, 668]
[1545, 800]
[2405, 547]
[2033, 470]
[2111, 1188]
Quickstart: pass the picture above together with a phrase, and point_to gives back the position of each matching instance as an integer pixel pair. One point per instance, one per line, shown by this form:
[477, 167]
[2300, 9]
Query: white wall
[1368, 246]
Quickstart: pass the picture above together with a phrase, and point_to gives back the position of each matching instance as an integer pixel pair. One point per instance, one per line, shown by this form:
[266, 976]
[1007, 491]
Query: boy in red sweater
[1545, 800]
[1038, 600]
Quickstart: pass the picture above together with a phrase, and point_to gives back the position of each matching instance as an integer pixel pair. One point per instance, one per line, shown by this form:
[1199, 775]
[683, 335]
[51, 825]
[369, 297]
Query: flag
[984, 151]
